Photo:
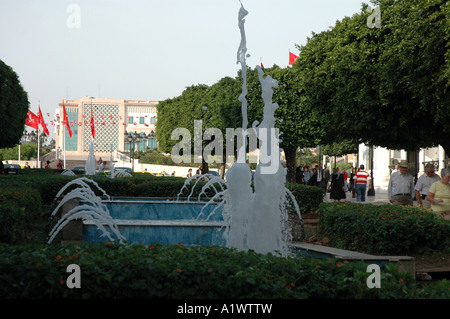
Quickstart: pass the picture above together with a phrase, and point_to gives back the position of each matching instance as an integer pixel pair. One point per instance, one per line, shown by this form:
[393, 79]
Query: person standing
[423, 185]
[324, 178]
[439, 195]
[351, 183]
[345, 174]
[299, 175]
[395, 170]
[337, 186]
[307, 175]
[401, 186]
[361, 181]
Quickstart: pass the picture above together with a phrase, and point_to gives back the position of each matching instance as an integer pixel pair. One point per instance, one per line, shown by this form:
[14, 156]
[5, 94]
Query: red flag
[92, 123]
[292, 58]
[66, 121]
[41, 121]
[32, 120]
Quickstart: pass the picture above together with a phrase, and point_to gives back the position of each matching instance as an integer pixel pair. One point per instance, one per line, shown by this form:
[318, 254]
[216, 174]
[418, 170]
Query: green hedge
[384, 229]
[48, 184]
[308, 197]
[200, 272]
[19, 208]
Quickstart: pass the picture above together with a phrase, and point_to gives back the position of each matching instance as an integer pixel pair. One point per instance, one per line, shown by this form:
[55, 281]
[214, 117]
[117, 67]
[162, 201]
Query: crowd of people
[336, 183]
[431, 190]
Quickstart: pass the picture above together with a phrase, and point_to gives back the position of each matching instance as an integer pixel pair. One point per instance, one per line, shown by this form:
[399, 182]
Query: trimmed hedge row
[196, 272]
[141, 185]
[35, 188]
[19, 207]
[384, 229]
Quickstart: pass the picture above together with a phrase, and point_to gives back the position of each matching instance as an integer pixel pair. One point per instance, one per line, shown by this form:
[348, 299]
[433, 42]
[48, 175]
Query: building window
[130, 120]
[141, 120]
[152, 120]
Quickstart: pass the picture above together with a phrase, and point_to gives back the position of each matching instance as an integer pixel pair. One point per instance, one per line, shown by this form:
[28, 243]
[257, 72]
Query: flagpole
[39, 140]
[39, 161]
[64, 141]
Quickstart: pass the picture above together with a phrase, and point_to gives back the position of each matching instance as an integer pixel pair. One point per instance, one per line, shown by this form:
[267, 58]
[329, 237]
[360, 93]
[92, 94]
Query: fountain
[255, 220]
[91, 211]
[89, 168]
[238, 216]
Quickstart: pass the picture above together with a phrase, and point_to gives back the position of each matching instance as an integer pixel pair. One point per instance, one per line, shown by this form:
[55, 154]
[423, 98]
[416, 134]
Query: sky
[148, 49]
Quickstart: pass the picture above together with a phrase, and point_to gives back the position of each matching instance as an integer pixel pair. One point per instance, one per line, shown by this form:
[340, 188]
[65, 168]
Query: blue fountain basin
[162, 209]
[149, 221]
[187, 232]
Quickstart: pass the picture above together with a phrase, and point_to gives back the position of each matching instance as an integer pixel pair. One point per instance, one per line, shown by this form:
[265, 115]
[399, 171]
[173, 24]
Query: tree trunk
[223, 165]
[205, 167]
[291, 162]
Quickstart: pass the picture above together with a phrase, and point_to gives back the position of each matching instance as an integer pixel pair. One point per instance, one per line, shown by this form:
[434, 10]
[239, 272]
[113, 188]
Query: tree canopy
[13, 107]
[385, 86]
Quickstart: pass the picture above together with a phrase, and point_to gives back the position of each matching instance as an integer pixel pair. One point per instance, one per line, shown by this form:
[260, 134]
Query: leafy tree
[27, 151]
[13, 107]
[298, 127]
[384, 86]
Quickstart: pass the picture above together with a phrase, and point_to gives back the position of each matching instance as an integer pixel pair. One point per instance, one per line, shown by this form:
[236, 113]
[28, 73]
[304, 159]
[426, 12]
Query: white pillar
[441, 153]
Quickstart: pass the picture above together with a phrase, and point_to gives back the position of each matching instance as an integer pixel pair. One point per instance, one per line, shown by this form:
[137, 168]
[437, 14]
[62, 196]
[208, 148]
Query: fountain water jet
[89, 168]
[93, 210]
[258, 219]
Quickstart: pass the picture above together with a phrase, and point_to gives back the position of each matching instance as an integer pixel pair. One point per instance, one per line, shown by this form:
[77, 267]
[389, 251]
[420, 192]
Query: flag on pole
[66, 121]
[292, 58]
[41, 121]
[262, 65]
[32, 120]
[92, 123]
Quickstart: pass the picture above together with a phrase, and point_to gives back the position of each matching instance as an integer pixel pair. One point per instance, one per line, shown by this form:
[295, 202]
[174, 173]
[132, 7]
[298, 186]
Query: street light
[132, 138]
[151, 138]
[371, 191]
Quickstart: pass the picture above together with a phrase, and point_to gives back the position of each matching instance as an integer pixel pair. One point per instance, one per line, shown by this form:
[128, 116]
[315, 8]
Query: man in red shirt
[361, 181]
[345, 179]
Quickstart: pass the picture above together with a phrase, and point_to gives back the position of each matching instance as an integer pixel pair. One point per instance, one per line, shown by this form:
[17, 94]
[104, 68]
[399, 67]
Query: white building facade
[112, 119]
[384, 161]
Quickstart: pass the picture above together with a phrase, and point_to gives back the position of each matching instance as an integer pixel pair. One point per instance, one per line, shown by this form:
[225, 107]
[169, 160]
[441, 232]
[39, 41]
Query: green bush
[25, 197]
[13, 220]
[19, 209]
[308, 197]
[194, 272]
[383, 229]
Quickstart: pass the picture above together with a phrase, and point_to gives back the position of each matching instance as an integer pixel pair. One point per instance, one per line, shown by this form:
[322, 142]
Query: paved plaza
[379, 198]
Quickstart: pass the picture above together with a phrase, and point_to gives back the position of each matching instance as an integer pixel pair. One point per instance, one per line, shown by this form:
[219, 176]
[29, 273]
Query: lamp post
[151, 138]
[371, 191]
[132, 138]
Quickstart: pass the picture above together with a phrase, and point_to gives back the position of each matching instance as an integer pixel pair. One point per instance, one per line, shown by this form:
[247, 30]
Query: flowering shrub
[19, 207]
[110, 270]
[384, 229]
[308, 197]
[25, 197]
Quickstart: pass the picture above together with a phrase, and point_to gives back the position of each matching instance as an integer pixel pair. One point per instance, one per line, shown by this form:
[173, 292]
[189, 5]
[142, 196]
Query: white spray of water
[89, 168]
[258, 219]
[93, 210]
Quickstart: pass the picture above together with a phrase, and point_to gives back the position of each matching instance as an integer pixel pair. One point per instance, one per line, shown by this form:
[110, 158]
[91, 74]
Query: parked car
[11, 169]
[215, 173]
[163, 174]
[124, 169]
